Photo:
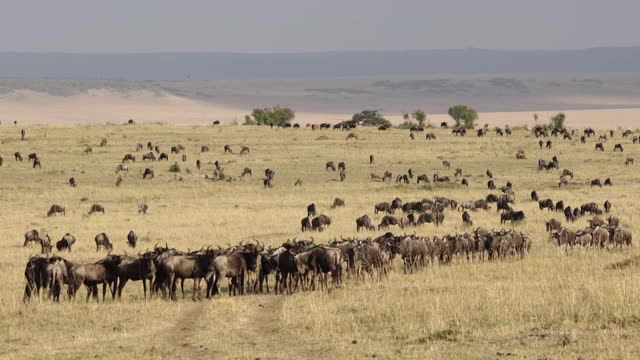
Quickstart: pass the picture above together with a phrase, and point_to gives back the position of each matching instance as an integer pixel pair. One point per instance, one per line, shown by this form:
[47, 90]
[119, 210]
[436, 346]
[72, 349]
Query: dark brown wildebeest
[18, 156]
[491, 185]
[549, 144]
[36, 275]
[204, 148]
[305, 224]
[267, 182]
[364, 222]
[489, 174]
[534, 196]
[132, 239]
[465, 182]
[343, 175]
[607, 182]
[613, 221]
[236, 266]
[553, 225]
[149, 156]
[142, 268]
[217, 165]
[163, 156]
[246, 172]
[95, 208]
[122, 167]
[184, 157]
[298, 183]
[244, 150]
[599, 147]
[88, 150]
[342, 166]
[227, 149]
[546, 204]
[198, 164]
[142, 208]
[466, 218]
[311, 210]
[511, 215]
[387, 176]
[330, 166]
[175, 150]
[149, 145]
[389, 220]
[319, 262]
[66, 242]
[618, 147]
[56, 209]
[560, 206]
[438, 178]
[91, 275]
[36, 163]
[45, 245]
[566, 172]
[119, 180]
[628, 161]
[157, 149]
[31, 236]
[196, 267]
[596, 182]
[320, 222]
[139, 147]
[337, 202]
[423, 178]
[446, 164]
[607, 206]
[1, 160]
[458, 172]
[102, 240]
[33, 156]
[148, 174]
[72, 182]
[383, 207]
[269, 174]
[129, 157]
[371, 159]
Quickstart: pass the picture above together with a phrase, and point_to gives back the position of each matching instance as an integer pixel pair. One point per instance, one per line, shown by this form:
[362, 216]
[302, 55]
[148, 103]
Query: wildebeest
[305, 224]
[149, 156]
[227, 149]
[388, 220]
[198, 164]
[489, 174]
[599, 147]
[553, 225]
[119, 180]
[607, 182]
[96, 208]
[549, 144]
[596, 182]
[491, 185]
[364, 222]
[102, 240]
[311, 210]
[298, 183]
[88, 150]
[371, 159]
[132, 239]
[163, 156]
[142, 268]
[563, 181]
[330, 166]
[511, 215]
[37, 164]
[465, 182]
[383, 207]
[18, 156]
[320, 222]
[142, 208]
[466, 218]
[244, 150]
[31, 236]
[628, 161]
[458, 172]
[91, 275]
[56, 209]
[72, 182]
[246, 172]
[423, 178]
[618, 147]
[546, 204]
[337, 202]
[534, 196]
[446, 164]
[607, 206]
[129, 157]
[148, 173]
[66, 242]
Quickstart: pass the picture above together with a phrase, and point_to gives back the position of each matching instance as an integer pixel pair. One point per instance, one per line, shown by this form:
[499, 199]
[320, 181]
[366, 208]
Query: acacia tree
[464, 116]
[420, 117]
[270, 116]
[557, 122]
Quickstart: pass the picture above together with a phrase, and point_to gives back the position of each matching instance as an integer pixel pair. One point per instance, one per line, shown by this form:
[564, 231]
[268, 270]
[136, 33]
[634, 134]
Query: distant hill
[261, 66]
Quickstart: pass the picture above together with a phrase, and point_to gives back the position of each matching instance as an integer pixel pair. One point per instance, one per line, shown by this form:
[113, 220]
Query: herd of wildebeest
[300, 264]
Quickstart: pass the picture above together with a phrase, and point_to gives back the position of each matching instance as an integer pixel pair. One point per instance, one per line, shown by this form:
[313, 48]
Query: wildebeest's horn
[155, 246]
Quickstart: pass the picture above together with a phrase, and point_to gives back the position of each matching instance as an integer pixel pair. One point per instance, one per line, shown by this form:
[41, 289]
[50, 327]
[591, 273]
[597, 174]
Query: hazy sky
[292, 25]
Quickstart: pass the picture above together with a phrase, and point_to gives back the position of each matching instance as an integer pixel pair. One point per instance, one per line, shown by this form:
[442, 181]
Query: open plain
[553, 304]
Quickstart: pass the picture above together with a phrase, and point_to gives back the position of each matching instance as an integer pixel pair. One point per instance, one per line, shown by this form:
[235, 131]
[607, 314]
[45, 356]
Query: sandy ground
[102, 106]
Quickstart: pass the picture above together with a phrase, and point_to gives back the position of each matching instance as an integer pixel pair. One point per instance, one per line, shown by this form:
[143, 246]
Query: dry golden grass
[549, 305]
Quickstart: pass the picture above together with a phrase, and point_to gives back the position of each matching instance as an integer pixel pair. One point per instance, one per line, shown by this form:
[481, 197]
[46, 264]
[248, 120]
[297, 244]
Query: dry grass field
[550, 305]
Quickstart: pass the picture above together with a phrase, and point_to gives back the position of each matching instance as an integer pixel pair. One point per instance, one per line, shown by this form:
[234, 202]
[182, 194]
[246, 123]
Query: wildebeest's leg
[182, 286]
[123, 282]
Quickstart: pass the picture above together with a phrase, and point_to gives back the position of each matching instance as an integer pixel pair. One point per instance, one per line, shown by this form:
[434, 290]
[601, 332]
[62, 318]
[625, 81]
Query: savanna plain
[553, 304]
